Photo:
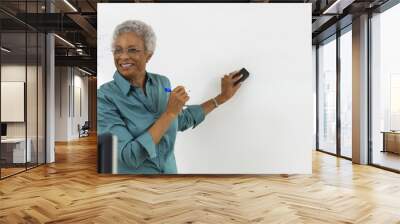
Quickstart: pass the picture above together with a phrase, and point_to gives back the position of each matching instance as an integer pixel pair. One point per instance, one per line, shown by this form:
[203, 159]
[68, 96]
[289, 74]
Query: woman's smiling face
[130, 56]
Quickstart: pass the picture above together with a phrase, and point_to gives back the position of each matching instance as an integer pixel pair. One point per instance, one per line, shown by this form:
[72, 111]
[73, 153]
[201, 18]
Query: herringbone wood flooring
[70, 191]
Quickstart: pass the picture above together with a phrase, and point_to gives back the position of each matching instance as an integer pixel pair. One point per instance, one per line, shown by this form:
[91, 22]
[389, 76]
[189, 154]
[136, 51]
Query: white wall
[267, 127]
[16, 72]
[34, 125]
[314, 86]
[61, 104]
[80, 85]
[12, 101]
[69, 79]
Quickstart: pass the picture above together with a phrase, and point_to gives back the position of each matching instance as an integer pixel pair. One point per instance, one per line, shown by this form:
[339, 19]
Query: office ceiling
[76, 23]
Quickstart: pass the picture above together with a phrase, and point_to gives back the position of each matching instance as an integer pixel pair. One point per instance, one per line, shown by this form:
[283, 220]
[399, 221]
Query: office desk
[13, 150]
[391, 141]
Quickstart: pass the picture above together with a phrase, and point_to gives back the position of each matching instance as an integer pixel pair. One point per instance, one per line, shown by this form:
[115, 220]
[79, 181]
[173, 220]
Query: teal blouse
[126, 112]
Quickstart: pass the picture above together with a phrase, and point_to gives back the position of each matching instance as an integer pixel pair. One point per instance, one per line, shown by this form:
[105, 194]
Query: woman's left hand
[228, 88]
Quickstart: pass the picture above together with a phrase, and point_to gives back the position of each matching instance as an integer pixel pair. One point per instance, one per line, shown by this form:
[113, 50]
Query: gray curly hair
[139, 28]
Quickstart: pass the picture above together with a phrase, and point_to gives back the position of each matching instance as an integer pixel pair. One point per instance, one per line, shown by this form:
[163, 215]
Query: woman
[136, 108]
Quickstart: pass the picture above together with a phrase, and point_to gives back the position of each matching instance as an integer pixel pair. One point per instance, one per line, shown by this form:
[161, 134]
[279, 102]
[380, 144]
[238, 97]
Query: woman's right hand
[177, 99]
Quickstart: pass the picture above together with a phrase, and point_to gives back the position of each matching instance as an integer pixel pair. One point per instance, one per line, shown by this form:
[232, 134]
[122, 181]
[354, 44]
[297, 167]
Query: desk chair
[84, 130]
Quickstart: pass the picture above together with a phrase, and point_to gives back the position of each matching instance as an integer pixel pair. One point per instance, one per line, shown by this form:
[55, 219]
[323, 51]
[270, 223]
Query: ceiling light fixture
[84, 71]
[64, 40]
[70, 5]
[337, 7]
[5, 50]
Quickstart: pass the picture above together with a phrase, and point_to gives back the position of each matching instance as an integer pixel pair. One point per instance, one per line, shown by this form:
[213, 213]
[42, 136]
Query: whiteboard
[267, 127]
[12, 101]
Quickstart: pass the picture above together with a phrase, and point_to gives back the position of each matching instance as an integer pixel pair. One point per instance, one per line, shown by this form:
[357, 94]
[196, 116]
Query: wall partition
[22, 77]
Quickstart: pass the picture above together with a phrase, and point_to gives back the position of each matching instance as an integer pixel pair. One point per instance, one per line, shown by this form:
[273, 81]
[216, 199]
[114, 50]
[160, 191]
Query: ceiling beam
[82, 61]
[84, 24]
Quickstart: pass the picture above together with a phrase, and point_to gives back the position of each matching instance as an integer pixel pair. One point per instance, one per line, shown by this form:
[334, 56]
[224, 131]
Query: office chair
[84, 130]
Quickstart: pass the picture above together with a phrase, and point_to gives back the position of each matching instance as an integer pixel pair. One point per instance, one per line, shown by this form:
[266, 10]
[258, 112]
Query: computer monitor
[3, 129]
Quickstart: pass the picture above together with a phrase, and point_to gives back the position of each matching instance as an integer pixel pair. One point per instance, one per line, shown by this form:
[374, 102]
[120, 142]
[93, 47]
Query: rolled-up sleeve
[192, 116]
[132, 151]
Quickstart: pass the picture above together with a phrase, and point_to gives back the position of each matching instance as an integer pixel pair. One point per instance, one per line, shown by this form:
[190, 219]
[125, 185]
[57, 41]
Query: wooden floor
[10, 171]
[70, 191]
[387, 159]
[5, 172]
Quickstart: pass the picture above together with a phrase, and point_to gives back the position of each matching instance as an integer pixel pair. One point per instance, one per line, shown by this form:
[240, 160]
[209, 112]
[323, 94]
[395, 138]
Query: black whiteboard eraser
[244, 73]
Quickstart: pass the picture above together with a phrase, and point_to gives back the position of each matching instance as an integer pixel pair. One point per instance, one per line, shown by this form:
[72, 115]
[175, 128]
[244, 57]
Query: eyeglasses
[132, 52]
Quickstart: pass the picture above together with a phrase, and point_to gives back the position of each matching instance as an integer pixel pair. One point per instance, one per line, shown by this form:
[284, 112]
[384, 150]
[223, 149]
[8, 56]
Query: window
[346, 93]
[385, 89]
[327, 96]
